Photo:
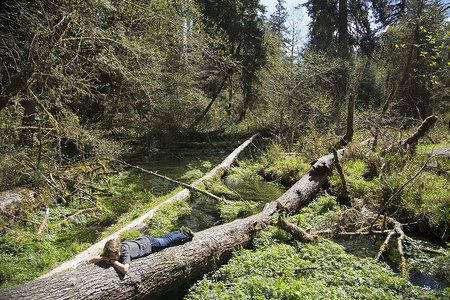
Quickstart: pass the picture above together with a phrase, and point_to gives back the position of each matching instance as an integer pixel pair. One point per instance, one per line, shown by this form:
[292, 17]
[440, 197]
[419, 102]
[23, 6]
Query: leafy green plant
[302, 271]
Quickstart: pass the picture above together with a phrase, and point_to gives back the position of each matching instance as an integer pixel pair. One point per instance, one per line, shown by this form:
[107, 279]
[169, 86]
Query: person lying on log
[120, 254]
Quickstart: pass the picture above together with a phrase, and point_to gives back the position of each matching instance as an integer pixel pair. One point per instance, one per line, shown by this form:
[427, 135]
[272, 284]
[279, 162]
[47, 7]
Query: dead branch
[389, 99]
[188, 186]
[91, 186]
[16, 217]
[44, 221]
[403, 267]
[296, 232]
[90, 201]
[351, 233]
[349, 132]
[410, 143]
[431, 251]
[343, 197]
[76, 214]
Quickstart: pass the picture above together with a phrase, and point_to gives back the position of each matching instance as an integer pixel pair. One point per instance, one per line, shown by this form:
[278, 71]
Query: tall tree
[278, 20]
[416, 47]
[389, 11]
[322, 29]
[338, 26]
[241, 23]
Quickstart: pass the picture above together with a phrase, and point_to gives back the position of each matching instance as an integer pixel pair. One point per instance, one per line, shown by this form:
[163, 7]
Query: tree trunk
[411, 142]
[28, 120]
[154, 275]
[203, 114]
[343, 45]
[347, 138]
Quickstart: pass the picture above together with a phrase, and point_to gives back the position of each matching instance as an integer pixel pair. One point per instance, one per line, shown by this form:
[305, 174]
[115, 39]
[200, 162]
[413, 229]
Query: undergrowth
[276, 270]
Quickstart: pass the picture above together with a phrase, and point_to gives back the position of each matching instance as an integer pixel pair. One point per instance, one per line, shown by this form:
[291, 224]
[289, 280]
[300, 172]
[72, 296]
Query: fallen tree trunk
[161, 272]
[141, 222]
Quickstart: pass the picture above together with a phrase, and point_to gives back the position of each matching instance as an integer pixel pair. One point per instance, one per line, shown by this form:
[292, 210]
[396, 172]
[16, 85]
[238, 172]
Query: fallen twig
[16, 217]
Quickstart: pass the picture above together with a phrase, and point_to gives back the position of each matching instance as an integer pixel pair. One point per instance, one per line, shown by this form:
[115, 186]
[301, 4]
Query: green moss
[232, 210]
[285, 169]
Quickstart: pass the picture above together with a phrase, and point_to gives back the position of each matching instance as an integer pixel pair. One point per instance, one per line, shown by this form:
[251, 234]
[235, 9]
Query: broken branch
[172, 180]
[298, 233]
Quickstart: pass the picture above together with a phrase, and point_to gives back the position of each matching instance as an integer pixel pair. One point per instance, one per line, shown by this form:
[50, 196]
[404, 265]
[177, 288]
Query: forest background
[83, 82]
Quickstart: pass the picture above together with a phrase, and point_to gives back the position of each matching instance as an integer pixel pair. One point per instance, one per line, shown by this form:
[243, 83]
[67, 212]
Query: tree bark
[349, 132]
[154, 275]
[203, 114]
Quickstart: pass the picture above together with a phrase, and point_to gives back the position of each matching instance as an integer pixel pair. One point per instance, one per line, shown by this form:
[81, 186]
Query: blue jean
[166, 240]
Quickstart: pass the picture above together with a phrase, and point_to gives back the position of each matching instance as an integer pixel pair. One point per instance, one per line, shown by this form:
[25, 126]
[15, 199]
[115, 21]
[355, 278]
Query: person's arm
[97, 259]
[123, 268]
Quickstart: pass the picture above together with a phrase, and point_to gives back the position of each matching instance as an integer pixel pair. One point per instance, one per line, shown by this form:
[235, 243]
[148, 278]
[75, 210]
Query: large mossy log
[154, 275]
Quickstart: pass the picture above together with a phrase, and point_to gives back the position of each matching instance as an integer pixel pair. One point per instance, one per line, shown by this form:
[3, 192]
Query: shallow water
[369, 247]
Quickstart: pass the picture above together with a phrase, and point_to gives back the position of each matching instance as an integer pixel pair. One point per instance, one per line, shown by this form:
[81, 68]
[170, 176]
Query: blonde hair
[111, 247]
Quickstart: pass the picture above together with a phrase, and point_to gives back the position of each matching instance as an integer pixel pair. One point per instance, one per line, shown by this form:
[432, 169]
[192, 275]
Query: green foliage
[414, 46]
[238, 209]
[128, 194]
[280, 271]
[358, 185]
[23, 255]
[74, 225]
[285, 169]
[379, 176]
[191, 175]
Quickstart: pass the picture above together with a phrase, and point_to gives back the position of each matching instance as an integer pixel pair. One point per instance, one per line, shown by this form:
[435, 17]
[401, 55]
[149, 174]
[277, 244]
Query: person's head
[112, 249]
